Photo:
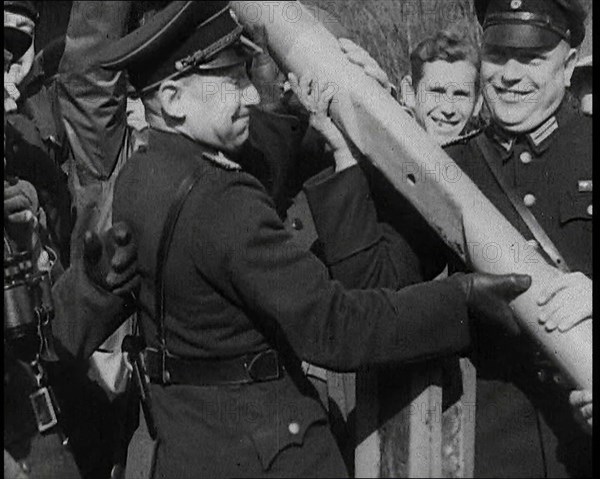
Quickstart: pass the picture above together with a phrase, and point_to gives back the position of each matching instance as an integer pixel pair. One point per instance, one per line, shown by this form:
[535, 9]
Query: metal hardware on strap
[264, 366]
[134, 345]
[166, 237]
[526, 215]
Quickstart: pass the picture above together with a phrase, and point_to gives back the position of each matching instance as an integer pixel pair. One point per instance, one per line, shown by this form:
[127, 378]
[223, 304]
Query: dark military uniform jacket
[551, 170]
[235, 284]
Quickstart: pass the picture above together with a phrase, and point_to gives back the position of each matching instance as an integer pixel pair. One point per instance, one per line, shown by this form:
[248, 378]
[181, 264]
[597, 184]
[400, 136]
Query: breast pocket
[576, 209]
[286, 428]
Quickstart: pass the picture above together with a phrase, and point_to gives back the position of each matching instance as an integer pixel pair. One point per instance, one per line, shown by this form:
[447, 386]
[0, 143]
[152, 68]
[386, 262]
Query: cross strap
[184, 190]
[526, 215]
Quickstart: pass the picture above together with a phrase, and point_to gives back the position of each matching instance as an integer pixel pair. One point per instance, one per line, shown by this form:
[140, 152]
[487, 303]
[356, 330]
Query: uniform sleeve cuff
[343, 211]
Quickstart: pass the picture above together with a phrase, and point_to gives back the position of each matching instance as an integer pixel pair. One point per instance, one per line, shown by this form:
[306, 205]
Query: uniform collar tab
[221, 160]
[539, 138]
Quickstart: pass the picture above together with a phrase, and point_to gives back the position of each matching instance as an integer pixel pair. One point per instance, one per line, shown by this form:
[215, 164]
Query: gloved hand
[20, 209]
[488, 295]
[111, 261]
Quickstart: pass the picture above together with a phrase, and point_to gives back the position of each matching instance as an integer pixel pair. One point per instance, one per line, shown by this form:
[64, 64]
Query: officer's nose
[250, 95]
[512, 72]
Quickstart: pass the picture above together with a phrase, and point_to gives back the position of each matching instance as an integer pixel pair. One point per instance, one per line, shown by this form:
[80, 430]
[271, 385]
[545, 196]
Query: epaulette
[221, 160]
[463, 138]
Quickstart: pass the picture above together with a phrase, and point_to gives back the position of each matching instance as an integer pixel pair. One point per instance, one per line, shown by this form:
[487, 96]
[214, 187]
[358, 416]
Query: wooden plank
[425, 430]
[458, 418]
[468, 400]
[367, 455]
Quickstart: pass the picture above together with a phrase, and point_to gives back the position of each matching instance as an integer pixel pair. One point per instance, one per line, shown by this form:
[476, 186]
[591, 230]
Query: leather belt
[527, 216]
[246, 369]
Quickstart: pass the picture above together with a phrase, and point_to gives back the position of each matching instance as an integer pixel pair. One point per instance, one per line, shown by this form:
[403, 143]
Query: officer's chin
[512, 121]
[236, 143]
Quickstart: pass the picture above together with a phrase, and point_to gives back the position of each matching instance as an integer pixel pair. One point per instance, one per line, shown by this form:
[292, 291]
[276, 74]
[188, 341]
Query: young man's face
[446, 98]
[524, 86]
[218, 107]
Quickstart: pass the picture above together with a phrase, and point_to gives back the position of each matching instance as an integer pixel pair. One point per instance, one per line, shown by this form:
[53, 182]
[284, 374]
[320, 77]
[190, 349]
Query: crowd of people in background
[250, 249]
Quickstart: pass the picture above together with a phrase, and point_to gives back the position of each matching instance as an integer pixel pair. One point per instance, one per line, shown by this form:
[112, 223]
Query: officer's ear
[570, 62]
[170, 95]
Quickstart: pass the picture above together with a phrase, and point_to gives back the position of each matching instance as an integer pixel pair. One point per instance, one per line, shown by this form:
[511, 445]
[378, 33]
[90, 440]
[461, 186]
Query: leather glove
[111, 260]
[488, 296]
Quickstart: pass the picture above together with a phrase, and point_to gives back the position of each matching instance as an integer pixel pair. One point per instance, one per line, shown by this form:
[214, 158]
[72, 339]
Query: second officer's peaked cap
[16, 41]
[531, 23]
[22, 8]
[180, 37]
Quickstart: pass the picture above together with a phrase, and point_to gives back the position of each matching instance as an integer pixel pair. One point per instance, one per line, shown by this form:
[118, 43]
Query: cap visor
[239, 53]
[520, 35]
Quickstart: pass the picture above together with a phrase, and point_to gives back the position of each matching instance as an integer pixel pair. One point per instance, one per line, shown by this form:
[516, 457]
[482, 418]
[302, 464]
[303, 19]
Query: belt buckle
[264, 366]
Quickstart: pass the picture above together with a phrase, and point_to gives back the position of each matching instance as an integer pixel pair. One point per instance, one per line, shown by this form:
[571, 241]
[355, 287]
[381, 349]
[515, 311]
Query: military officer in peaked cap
[539, 146]
[228, 304]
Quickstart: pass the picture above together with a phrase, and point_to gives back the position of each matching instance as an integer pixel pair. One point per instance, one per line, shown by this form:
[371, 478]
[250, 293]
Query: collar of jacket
[465, 136]
[539, 139]
[178, 145]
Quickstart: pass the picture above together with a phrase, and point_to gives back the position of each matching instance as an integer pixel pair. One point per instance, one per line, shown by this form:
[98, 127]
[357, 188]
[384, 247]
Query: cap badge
[516, 4]
[584, 186]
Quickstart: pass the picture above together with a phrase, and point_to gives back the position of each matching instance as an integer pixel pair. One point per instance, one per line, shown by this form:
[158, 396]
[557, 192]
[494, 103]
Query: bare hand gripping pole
[418, 168]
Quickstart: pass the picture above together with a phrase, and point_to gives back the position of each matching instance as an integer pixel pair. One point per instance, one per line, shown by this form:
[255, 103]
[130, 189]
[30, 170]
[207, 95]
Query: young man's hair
[446, 45]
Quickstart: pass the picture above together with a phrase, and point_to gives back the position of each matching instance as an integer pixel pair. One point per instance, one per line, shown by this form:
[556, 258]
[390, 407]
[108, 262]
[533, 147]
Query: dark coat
[235, 284]
[554, 164]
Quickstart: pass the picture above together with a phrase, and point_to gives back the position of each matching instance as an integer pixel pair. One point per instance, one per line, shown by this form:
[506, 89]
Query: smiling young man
[443, 91]
[538, 148]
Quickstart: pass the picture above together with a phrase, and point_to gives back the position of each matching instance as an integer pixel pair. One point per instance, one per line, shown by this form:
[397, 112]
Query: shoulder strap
[532, 223]
[166, 236]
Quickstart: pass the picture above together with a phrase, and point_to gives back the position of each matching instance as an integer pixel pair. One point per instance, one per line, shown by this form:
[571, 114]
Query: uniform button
[589, 210]
[525, 157]
[529, 199]
[294, 428]
[542, 375]
[297, 224]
